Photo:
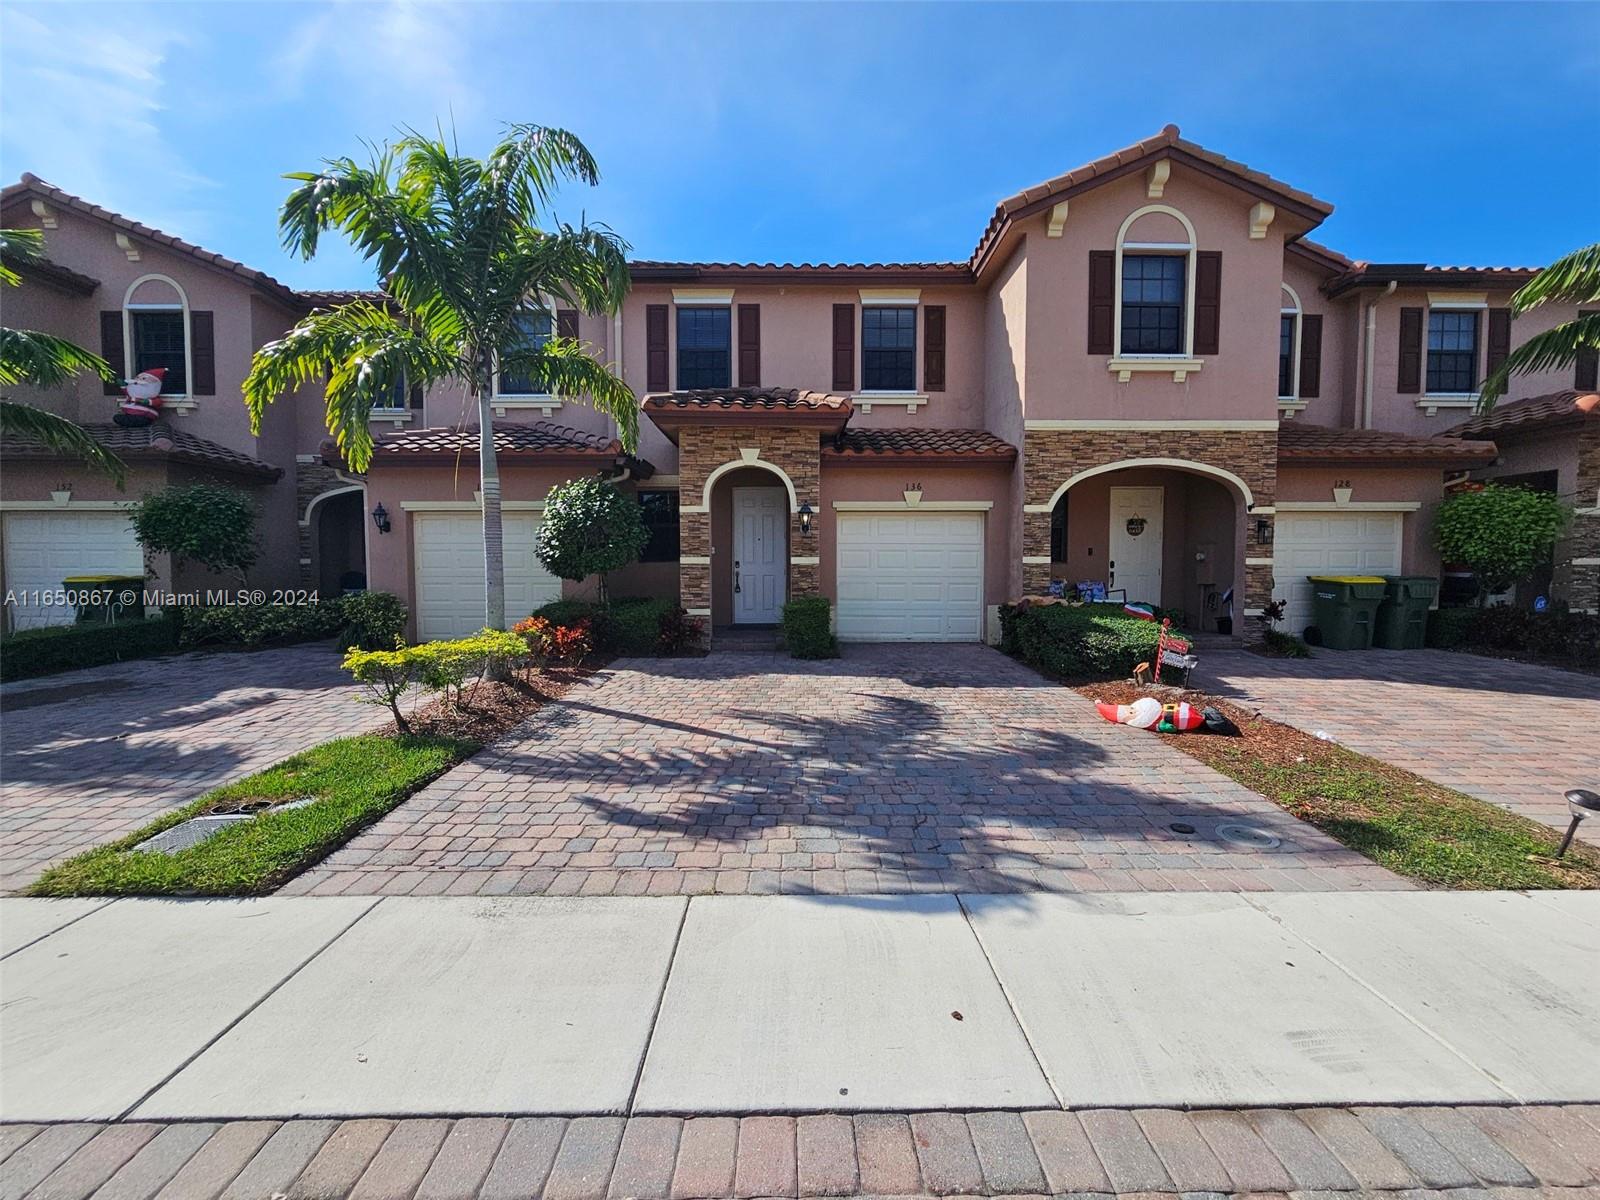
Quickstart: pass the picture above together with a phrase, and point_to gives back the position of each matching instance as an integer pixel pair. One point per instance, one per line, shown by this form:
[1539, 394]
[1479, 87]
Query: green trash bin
[105, 599]
[1403, 615]
[1344, 608]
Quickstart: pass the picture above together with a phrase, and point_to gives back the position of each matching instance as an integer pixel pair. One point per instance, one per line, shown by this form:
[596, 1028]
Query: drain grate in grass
[317, 801]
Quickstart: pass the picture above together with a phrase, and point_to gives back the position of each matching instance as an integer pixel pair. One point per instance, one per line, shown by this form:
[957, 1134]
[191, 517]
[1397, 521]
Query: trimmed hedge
[636, 624]
[71, 647]
[253, 625]
[1090, 641]
[806, 629]
[633, 625]
[1558, 636]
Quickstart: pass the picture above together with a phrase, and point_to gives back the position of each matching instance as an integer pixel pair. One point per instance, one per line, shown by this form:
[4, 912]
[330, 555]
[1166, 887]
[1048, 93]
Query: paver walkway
[1513, 734]
[1535, 1152]
[88, 756]
[891, 769]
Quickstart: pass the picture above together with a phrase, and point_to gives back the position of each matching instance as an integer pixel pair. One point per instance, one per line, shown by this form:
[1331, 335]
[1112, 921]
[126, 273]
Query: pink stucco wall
[1336, 406]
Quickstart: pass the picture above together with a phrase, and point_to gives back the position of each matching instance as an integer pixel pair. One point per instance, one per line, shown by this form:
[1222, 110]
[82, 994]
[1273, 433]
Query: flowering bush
[552, 643]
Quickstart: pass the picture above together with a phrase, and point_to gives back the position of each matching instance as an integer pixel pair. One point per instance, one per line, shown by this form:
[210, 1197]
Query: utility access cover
[190, 833]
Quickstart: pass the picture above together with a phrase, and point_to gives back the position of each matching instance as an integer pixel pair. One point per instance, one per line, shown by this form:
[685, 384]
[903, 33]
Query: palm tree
[457, 244]
[1573, 279]
[43, 360]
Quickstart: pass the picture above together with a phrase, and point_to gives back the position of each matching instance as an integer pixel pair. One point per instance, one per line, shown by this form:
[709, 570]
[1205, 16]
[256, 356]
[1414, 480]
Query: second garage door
[43, 548]
[449, 566]
[910, 577]
[1329, 543]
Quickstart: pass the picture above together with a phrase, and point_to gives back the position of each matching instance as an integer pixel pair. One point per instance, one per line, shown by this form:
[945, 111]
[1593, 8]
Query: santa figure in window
[141, 399]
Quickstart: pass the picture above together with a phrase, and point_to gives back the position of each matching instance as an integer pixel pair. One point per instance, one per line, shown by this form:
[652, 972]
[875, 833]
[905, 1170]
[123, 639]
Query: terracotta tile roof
[790, 399]
[32, 184]
[651, 271]
[521, 439]
[62, 278]
[1369, 274]
[1326, 258]
[868, 445]
[322, 298]
[1536, 412]
[161, 440]
[1305, 443]
[1166, 144]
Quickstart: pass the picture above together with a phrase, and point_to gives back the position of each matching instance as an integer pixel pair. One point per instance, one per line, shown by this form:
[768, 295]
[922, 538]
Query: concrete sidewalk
[348, 1007]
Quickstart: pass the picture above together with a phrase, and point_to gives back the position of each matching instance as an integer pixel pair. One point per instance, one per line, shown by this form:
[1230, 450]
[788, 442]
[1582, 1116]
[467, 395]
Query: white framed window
[1289, 315]
[1154, 305]
[887, 359]
[157, 331]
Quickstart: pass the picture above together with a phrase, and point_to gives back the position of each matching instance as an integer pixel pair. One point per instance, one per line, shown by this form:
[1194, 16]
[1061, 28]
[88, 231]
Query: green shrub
[253, 625]
[590, 527]
[206, 523]
[1284, 645]
[602, 630]
[71, 647]
[636, 624]
[446, 667]
[1449, 628]
[372, 620]
[680, 633]
[1501, 533]
[806, 629]
[1090, 641]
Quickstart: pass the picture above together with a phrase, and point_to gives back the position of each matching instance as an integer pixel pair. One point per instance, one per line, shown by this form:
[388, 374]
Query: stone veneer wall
[311, 479]
[1052, 456]
[701, 450]
[1582, 579]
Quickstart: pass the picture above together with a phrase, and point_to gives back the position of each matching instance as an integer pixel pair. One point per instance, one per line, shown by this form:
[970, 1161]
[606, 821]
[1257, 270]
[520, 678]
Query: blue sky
[1450, 133]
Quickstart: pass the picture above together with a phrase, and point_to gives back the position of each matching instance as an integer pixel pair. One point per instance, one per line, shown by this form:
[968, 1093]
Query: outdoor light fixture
[1581, 803]
[805, 516]
[1263, 531]
[380, 518]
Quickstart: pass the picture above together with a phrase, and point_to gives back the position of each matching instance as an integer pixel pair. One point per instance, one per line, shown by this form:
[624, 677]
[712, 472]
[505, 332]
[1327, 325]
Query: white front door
[1135, 554]
[43, 548]
[760, 554]
[1329, 543]
[910, 576]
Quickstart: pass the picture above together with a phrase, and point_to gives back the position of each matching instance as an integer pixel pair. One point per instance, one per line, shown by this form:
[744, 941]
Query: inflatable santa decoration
[141, 399]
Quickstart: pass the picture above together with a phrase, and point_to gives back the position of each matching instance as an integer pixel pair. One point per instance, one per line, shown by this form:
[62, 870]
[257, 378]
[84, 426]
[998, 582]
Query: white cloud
[84, 96]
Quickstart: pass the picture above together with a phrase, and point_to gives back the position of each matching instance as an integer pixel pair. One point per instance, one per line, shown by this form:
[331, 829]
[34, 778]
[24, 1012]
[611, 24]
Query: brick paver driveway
[88, 756]
[891, 769]
[1513, 734]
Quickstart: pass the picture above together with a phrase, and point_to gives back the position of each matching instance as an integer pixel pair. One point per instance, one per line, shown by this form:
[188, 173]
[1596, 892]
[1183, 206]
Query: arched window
[1155, 281]
[158, 331]
[1289, 345]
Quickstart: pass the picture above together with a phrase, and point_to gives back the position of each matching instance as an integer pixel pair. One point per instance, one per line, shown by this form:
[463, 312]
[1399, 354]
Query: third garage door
[910, 577]
[449, 563]
[1329, 543]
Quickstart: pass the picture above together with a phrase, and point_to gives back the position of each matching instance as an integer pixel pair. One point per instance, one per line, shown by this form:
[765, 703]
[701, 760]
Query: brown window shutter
[844, 347]
[933, 348]
[203, 354]
[1102, 299]
[1409, 380]
[1207, 302]
[750, 345]
[567, 323]
[1310, 356]
[414, 397]
[111, 347]
[1586, 368]
[655, 347]
[1499, 337]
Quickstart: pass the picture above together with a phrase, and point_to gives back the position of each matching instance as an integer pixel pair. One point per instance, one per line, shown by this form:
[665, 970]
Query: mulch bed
[490, 708]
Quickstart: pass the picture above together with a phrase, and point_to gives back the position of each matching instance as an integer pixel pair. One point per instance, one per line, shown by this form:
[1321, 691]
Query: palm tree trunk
[494, 561]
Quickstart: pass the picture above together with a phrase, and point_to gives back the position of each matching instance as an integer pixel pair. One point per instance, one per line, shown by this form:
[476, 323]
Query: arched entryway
[1158, 531]
[337, 524]
[750, 506]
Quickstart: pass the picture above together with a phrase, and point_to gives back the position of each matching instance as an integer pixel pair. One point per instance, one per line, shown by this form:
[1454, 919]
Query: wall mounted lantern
[805, 516]
[380, 518]
[1263, 531]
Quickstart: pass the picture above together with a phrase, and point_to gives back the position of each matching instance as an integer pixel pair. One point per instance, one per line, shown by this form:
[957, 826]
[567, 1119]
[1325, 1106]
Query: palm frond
[27, 423]
[566, 367]
[1552, 350]
[19, 248]
[43, 360]
[362, 352]
[1572, 279]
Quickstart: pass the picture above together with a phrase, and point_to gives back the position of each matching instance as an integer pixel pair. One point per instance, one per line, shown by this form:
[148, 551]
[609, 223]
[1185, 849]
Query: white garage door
[43, 548]
[911, 577]
[449, 565]
[1329, 543]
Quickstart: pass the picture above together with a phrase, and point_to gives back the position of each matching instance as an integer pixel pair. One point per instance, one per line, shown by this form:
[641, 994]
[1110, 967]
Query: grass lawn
[354, 781]
[1399, 820]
